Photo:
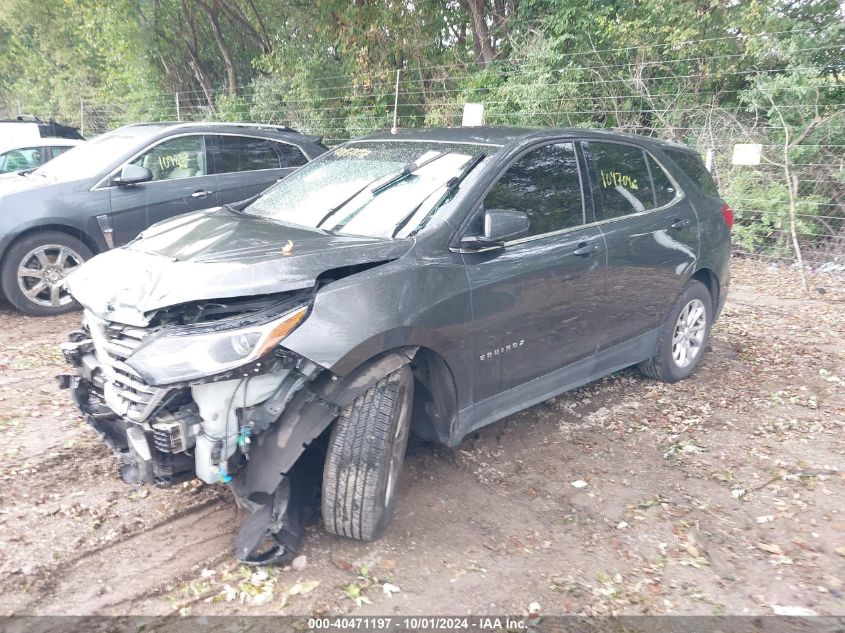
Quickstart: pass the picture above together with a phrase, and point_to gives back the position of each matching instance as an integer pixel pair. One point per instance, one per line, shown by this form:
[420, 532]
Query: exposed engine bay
[206, 391]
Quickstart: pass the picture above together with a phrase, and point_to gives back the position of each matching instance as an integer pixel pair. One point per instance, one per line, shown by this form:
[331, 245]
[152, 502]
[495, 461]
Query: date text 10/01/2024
[421, 623]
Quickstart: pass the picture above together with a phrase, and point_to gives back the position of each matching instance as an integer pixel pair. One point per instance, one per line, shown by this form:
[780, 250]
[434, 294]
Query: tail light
[729, 215]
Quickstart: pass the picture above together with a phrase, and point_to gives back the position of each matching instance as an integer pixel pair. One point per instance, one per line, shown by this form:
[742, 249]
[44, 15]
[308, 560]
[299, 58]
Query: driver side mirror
[133, 175]
[500, 226]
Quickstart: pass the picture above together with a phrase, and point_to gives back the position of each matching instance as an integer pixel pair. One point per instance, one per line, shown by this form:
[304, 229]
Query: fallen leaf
[783, 610]
[691, 549]
[229, 593]
[770, 547]
[840, 550]
[388, 564]
[390, 589]
[302, 587]
[262, 598]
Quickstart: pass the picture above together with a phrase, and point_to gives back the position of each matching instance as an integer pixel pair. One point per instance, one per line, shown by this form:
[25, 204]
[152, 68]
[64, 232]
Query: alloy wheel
[688, 336]
[42, 271]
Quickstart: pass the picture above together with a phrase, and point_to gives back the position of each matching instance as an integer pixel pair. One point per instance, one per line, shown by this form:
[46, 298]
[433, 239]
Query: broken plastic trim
[277, 480]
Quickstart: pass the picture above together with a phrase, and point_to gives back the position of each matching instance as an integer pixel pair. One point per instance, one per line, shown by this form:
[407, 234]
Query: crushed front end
[192, 392]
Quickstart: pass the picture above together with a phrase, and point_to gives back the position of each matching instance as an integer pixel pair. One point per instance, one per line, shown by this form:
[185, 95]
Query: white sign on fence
[747, 154]
[473, 115]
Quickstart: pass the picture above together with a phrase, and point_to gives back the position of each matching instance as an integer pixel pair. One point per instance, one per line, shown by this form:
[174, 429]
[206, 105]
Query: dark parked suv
[428, 281]
[104, 192]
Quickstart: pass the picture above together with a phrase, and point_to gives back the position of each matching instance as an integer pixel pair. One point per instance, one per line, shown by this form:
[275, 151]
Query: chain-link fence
[790, 204]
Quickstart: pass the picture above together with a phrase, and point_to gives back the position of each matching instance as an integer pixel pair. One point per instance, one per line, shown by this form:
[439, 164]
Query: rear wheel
[35, 268]
[364, 459]
[683, 335]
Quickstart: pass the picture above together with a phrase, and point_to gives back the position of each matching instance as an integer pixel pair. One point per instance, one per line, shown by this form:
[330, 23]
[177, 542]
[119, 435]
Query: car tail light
[729, 215]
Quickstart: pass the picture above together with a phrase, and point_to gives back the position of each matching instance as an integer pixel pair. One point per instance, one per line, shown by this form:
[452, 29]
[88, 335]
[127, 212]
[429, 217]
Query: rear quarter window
[664, 190]
[694, 168]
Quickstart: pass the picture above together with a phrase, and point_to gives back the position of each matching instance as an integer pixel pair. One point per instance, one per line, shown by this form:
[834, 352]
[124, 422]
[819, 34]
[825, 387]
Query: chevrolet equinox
[426, 281]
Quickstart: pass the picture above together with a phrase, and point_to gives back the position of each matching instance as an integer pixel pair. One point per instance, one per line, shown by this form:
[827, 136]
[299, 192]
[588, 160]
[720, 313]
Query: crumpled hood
[215, 254]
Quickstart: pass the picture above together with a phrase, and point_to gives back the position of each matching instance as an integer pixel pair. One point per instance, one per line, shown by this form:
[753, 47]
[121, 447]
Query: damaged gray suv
[426, 281]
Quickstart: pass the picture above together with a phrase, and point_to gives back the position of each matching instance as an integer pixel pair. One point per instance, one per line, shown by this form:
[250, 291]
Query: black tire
[17, 255]
[366, 449]
[663, 366]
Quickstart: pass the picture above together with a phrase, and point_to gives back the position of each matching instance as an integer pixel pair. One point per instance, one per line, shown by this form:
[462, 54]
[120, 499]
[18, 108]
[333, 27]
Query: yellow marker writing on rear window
[617, 178]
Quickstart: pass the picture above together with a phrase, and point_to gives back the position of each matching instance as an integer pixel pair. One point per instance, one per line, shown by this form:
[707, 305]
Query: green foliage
[708, 73]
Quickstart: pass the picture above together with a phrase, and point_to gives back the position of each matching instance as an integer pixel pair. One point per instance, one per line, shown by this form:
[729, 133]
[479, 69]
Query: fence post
[711, 159]
[396, 103]
[82, 116]
[178, 113]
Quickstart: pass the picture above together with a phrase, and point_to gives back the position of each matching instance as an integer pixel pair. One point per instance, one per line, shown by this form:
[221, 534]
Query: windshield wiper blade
[451, 185]
[403, 173]
[338, 207]
[407, 170]
[240, 206]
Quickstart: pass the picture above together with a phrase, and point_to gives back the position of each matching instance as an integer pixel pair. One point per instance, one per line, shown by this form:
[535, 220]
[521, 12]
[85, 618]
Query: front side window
[622, 178]
[23, 158]
[176, 158]
[373, 188]
[232, 154]
[544, 183]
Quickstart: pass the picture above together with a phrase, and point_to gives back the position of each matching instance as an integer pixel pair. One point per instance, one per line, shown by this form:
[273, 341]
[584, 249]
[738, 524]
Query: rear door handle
[679, 224]
[201, 193]
[585, 249]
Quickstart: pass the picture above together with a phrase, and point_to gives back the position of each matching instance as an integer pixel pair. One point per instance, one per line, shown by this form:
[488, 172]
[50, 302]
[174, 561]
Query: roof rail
[261, 126]
[23, 118]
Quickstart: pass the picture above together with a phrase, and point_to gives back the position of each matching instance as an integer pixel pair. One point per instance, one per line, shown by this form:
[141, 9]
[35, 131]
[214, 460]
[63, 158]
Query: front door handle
[585, 249]
[679, 224]
[201, 193]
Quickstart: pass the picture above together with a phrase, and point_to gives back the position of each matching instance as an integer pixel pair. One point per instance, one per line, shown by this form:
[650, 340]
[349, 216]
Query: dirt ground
[724, 494]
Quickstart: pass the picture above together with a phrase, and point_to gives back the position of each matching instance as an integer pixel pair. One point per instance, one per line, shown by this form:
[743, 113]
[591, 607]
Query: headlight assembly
[178, 356]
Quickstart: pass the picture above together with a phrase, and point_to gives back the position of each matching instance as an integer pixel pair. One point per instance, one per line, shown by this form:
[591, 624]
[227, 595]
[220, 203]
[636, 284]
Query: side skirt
[521, 397]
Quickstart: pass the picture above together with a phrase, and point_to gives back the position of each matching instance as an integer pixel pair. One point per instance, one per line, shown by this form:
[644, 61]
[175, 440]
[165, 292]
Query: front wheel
[365, 456]
[683, 336]
[35, 268]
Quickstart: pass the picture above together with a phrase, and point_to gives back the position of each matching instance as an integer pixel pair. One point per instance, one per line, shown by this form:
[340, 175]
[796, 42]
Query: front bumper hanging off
[165, 435]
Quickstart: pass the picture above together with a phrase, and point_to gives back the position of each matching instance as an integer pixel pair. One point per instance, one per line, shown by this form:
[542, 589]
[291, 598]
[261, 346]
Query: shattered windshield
[376, 188]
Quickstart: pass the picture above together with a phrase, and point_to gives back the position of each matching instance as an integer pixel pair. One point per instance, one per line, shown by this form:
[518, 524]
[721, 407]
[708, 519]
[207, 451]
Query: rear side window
[545, 185]
[695, 170]
[242, 153]
[622, 178]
